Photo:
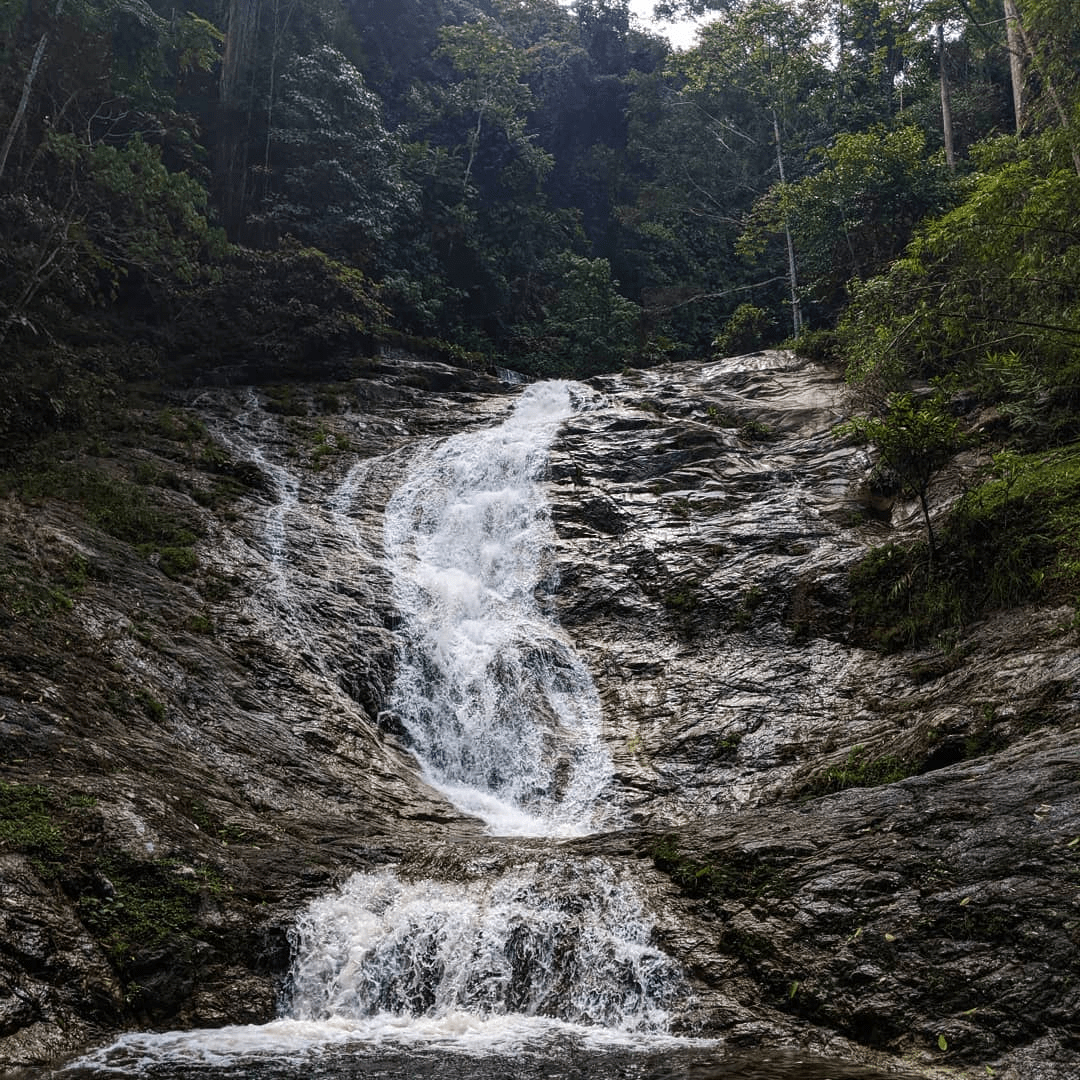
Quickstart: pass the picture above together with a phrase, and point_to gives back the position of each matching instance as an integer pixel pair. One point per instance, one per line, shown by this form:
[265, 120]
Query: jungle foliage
[273, 188]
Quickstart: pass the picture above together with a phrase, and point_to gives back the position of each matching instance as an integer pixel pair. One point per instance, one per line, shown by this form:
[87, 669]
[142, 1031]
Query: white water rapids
[504, 720]
[500, 710]
[550, 940]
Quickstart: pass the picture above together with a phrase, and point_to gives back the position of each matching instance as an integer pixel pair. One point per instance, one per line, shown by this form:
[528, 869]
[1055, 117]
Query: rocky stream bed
[870, 858]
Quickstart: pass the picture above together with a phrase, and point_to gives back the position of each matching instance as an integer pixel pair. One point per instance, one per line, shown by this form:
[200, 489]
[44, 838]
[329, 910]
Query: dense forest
[272, 188]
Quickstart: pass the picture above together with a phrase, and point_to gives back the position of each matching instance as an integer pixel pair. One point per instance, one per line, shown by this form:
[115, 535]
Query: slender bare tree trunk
[50, 249]
[28, 83]
[281, 25]
[240, 41]
[474, 144]
[840, 73]
[270, 106]
[796, 313]
[1016, 62]
[239, 48]
[1051, 89]
[946, 100]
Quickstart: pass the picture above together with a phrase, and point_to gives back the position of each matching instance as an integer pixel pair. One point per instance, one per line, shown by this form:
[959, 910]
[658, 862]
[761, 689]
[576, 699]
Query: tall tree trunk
[840, 72]
[28, 83]
[281, 25]
[796, 313]
[239, 49]
[236, 62]
[1051, 89]
[946, 100]
[1016, 62]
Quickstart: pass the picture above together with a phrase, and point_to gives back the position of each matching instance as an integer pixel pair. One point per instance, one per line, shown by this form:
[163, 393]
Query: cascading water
[286, 487]
[504, 719]
[549, 939]
[499, 709]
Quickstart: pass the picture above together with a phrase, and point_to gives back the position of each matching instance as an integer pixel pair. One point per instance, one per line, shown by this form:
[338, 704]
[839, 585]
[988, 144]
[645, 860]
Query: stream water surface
[542, 966]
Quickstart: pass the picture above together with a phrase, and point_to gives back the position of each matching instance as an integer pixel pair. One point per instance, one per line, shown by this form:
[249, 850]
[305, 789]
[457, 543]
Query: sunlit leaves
[856, 212]
[586, 326]
[197, 43]
[767, 50]
[914, 439]
[999, 273]
[136, 214]
[489, 94]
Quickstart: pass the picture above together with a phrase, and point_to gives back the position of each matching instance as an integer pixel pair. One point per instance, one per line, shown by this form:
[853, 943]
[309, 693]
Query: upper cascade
[500, 711]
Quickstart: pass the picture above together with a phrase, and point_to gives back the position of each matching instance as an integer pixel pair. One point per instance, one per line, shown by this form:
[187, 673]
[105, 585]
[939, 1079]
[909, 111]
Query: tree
[914, 440]
[946, 100]
[856, 212]
[586, 325]
[102, 71]
[28, 85]
[487, 227]
[92, 211]
[335, 177]
[237, 106]
[994, 275]
[768, 56]
[1016, 62]
[605, 31]
[1050, 37]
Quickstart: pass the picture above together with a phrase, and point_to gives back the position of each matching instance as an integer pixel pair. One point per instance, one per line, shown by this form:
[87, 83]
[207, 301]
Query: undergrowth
[861, 769]
[27, 824]
[1014, 539]
[120, 508]
[734, 876]
[147, 903]
[128, 904]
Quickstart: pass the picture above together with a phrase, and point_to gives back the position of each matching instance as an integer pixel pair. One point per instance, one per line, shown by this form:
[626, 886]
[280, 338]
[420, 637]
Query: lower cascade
[551, 940]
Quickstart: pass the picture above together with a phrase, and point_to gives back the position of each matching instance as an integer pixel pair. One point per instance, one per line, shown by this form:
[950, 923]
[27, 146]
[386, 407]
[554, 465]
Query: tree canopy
[549, 185]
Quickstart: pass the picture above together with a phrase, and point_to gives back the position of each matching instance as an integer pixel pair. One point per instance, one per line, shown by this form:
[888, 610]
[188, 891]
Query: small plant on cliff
[749, 328]
[914, 439]
[899, 599]
[26, 822]
[749, 601]
[731, 875]
[39, 824]
[1013, 539]
[144, 904]
[862, 769]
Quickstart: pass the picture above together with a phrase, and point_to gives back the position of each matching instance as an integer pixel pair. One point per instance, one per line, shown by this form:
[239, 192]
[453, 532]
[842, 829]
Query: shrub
[750, 328]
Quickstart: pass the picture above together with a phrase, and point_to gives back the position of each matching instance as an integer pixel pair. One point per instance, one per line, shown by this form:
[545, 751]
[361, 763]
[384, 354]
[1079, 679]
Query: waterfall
[517, 950]
[504, 718]
[551, 939]
[501, 712]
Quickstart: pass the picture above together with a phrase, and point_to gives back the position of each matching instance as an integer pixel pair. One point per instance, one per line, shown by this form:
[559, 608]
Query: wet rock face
[210, 745]
[190, 755]
[708, 518]
[707, 522]
[705, 514]
[941, 907]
